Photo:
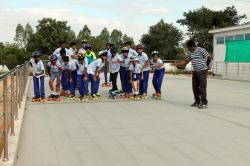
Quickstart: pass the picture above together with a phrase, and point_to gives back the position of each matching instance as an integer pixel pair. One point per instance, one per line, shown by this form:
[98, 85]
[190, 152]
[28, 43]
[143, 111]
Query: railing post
[12, 105]
[16, 113]
[238, 70]
[20, 87]
[226, 69]
[216, 69]
[22, 78]
[175, 67]
[5, 109]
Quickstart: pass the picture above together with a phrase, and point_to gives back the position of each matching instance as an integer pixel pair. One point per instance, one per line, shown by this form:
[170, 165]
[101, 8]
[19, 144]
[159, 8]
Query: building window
[229, 38]
[239, 37]
[220, 40]
[247, 36]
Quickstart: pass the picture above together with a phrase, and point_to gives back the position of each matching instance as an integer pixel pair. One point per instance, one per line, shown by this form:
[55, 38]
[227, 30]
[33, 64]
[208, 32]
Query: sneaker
[202, 106]
[195, 104]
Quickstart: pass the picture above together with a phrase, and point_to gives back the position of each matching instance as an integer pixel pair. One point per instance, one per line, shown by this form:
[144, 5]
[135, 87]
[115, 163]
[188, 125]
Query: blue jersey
[54, 68]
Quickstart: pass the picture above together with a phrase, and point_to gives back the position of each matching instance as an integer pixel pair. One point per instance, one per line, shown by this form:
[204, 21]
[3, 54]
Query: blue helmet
[108, 43]
[87, 46]
[37, 53]
[52, 57]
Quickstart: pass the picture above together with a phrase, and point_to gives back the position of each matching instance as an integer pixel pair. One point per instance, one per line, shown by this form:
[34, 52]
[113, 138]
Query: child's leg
[114, 80]
[97, 85]
[105, 75]
[62, 79]
[91, 78]
[127, 82]
[73, 84]
[133, 86]
[145, 82]
[36, 86]
[85, 86]
[154, 81]
[80, 83]
[57, 85]
[123, 78]
[42, 86]
[51, 81]
[160, 79]
[138, 86]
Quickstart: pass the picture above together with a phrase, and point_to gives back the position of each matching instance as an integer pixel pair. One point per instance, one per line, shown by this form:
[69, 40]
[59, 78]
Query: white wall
[220, 49]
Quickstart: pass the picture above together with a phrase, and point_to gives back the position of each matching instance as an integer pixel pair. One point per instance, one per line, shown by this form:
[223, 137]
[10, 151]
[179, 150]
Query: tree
[72, 34]
[105, 35]
[201, 20]
[84, 33]
[11, 61]
[16, 51]
[19, 35]
[48, 36]
[2, 47]
[28, 31]
[165, 38]
[116, 38]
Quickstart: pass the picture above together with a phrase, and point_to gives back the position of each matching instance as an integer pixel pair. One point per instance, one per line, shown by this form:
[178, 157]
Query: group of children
[83, 68]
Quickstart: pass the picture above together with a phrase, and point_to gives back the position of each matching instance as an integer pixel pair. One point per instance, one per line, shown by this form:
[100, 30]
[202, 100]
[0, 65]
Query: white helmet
[100, 53]
[125, 49]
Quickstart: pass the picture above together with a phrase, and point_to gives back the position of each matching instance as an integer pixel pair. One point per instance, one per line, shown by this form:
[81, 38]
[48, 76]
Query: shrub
[11, 61]
[44, 57]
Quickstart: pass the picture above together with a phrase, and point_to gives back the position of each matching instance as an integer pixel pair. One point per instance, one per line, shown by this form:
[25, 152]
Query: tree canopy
[48, 36]
[200, 21]
[165, 38]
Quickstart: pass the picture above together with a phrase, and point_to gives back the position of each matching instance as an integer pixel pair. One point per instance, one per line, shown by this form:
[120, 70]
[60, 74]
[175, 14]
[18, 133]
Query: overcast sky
[132, 17]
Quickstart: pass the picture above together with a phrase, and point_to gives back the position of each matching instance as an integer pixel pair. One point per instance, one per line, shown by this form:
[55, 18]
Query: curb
[13, 141]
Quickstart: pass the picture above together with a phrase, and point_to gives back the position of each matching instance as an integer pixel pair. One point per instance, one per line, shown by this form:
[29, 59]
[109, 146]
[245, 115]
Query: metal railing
[187, 67]
[19, 77]
[232, 70]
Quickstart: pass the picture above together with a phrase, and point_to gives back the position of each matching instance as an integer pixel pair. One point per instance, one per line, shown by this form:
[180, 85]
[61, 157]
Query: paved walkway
[137, 133]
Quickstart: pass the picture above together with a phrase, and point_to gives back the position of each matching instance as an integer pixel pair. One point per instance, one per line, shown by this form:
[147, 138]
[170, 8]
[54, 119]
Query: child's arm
[67, 74]
[59, 76]
[99, 74]
[153, 66]
[142, 73]
[96, 71]
[146, 63]
[130, 76]
[70, 77]
[118, 61]
[85, 74]
[37, 74]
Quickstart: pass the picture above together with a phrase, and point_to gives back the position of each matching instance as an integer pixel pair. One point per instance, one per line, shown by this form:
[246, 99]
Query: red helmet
[139, 46]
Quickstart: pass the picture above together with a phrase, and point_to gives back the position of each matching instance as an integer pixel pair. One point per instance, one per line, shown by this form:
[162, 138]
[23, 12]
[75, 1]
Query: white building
[240, 32]
[229, 70]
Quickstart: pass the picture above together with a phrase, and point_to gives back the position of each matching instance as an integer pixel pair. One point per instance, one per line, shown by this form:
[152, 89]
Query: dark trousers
[199, 83]
[113, 77]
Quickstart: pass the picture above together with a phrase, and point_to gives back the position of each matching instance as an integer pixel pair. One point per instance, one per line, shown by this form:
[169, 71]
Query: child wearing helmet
[53, 68]
[114, 67]
[71, 76]
[94, 70]
[125, 73]
[82, 76]
[143, 61]
[89, 54]
[82, 50]
[157, 64]
[38, 73]
[105, 70]
[136, 74]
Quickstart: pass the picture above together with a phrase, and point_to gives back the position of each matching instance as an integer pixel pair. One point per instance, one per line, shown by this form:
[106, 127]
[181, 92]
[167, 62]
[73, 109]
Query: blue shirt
[82, 50]
[54, 67]
[159, 61]
[142, 60]
[92, 66]
[132, 52]
[135, 68]
[127, 61]
[114, 67]
[81, 67]
[70, 66]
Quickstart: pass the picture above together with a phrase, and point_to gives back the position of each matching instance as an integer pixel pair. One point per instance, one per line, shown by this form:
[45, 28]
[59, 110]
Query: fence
[232, 70]
[19, 77]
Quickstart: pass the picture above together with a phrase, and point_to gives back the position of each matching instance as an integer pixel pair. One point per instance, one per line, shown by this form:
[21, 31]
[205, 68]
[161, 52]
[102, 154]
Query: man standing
[200, 59]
